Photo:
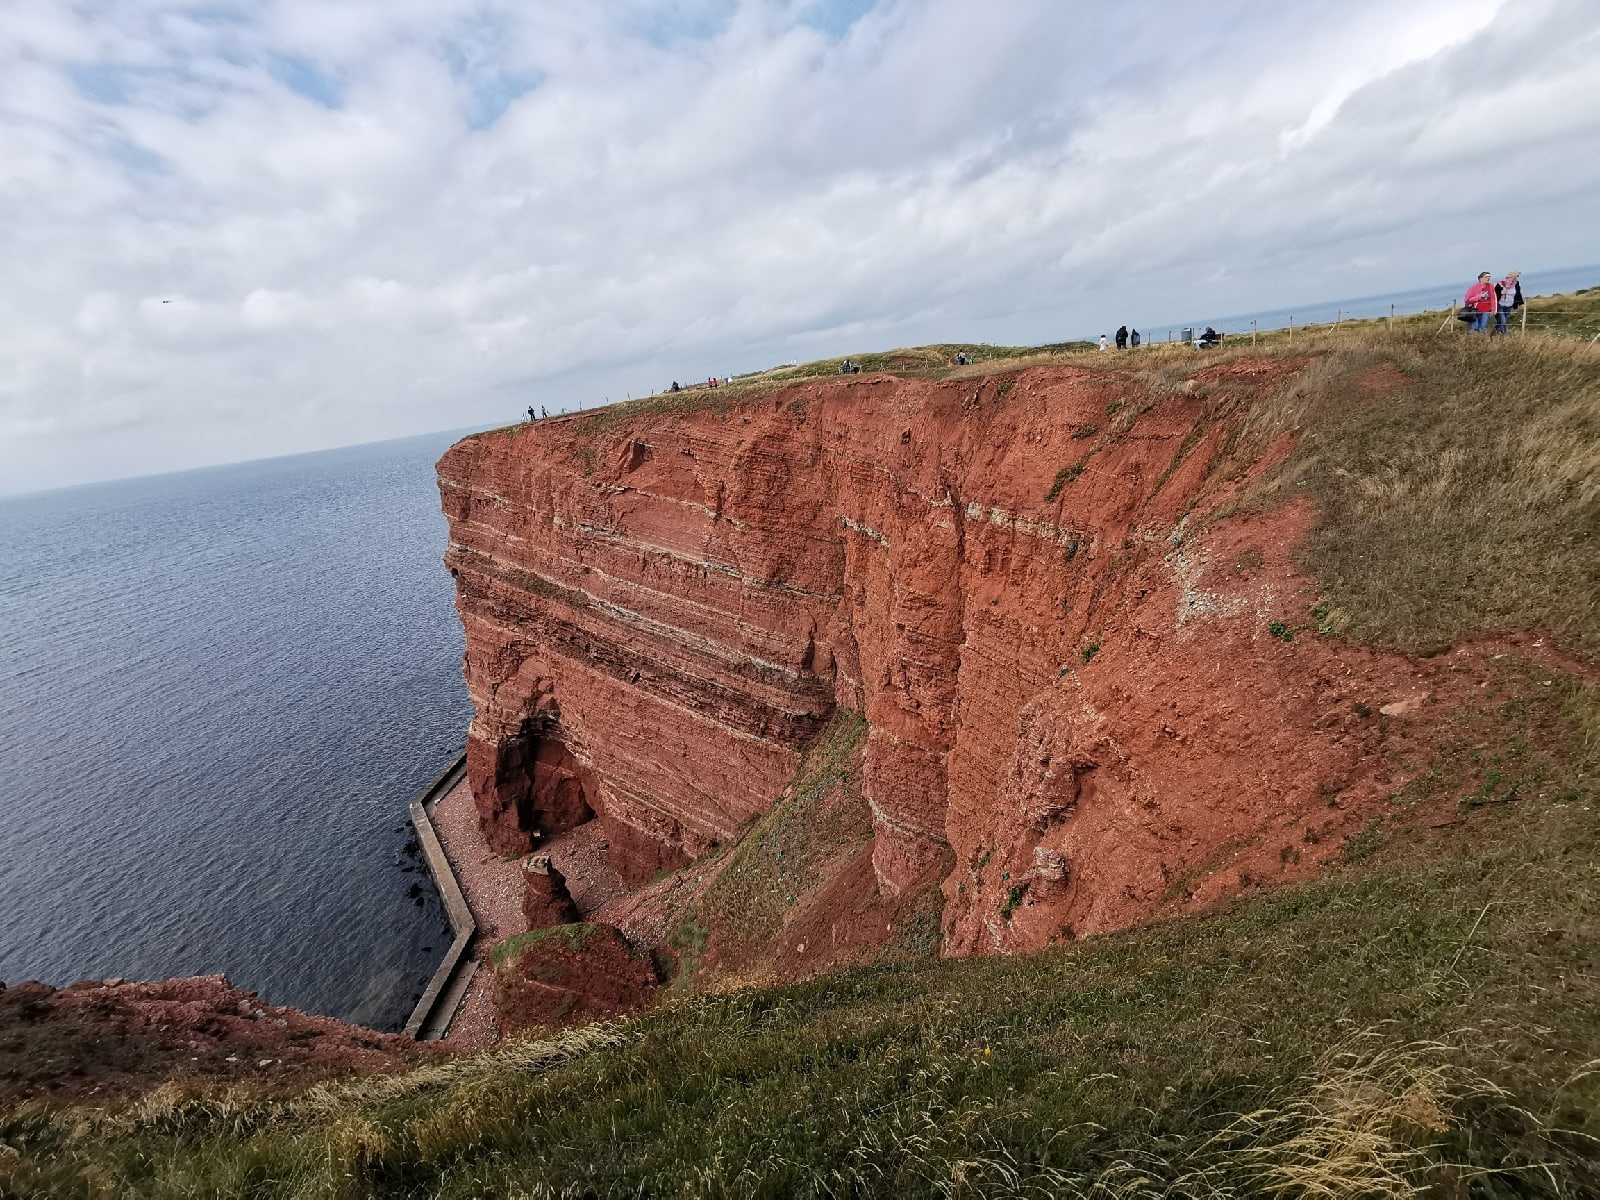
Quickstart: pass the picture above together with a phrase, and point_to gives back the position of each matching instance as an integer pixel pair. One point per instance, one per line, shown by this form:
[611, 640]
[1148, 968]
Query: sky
[237, 229]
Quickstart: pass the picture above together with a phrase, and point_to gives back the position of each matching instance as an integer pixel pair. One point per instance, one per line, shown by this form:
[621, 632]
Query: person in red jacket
[1480, 299]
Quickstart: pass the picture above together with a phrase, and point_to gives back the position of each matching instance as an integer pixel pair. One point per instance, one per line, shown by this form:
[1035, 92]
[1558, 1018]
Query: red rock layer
[1070, 694]
[569, 975]
[545, 899]
[118, 1037]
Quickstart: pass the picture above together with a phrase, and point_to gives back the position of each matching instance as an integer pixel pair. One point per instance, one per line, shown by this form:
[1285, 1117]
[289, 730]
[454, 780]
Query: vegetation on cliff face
[1422, 1018]
[1457, 482]
[790, 848]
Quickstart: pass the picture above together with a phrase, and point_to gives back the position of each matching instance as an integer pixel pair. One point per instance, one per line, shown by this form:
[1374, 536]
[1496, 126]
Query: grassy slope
[785, 853]
[1425, 1014]
[1458, 481]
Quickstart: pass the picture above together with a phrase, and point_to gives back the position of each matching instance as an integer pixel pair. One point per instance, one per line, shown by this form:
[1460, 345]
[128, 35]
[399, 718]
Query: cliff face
[1079, 708]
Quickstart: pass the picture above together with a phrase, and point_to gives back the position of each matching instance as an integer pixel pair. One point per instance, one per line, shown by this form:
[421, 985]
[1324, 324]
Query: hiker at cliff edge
[1133, 339]
[1103, 343]
[1480, 301]
[1508, 297]
[1122, 337]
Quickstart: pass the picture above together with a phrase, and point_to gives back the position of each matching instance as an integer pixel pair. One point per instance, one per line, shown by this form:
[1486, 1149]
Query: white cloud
[241, 228]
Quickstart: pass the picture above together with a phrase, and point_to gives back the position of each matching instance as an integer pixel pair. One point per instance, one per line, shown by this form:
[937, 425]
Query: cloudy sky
[232, 229]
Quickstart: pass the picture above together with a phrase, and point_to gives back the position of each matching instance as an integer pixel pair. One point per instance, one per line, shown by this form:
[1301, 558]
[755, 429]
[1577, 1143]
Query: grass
[930, 362]
[1457, 484]
[1417, 1023]
[779, 861]
[576, 936]
[1063, 477]
[1569, 316]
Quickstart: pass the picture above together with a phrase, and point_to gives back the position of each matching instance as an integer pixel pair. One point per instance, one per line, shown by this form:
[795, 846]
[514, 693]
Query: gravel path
[493, 887]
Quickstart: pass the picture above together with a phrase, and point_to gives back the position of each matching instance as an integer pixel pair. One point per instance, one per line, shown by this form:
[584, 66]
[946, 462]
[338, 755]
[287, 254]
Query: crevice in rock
[537, 789]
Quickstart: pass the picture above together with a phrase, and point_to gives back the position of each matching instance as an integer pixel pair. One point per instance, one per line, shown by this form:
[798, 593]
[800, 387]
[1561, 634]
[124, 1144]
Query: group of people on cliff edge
[1125, 339]
[1497, 300]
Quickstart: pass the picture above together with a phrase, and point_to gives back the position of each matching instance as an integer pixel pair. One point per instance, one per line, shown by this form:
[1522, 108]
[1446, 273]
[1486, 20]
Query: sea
[219, 691]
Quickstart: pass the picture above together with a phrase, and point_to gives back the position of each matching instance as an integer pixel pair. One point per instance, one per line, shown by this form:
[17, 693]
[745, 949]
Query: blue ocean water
[219, 690]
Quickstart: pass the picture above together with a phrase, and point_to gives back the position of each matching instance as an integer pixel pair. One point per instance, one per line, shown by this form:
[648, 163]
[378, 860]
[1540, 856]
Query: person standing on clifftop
[1122, 337]
[1508, 293]
[531, 417]
[1133, 339]
[1103, 344]
[1480, 301]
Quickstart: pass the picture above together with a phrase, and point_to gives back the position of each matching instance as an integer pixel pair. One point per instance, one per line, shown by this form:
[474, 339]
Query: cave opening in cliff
[552, 791]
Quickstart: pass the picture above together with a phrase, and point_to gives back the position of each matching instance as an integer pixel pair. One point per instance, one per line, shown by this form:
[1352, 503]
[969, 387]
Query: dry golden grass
[1458, 485]
[190, 1107]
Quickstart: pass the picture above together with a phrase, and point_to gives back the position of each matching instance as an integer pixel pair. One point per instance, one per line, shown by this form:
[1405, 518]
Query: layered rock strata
[1075, 700]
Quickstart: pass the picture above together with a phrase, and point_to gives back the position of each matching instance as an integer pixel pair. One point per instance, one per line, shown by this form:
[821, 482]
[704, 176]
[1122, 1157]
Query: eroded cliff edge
[1059, 596]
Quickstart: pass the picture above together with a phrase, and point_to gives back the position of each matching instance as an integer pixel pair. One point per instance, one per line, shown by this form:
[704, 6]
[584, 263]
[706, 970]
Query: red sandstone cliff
[1078, 710]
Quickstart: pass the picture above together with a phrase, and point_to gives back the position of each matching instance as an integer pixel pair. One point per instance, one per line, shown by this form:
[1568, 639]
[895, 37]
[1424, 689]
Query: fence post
[1252, 333]
[1291, 329]
[1524, 318]
[1338, 316]
[1391, 318]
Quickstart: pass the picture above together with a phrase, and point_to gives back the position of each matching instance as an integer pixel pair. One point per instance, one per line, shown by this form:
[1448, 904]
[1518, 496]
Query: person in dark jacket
[1122, 337]
[1133, 339]
[1508, 298]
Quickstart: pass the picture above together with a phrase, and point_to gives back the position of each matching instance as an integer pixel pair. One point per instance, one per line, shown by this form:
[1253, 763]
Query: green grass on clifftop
[1571, 317]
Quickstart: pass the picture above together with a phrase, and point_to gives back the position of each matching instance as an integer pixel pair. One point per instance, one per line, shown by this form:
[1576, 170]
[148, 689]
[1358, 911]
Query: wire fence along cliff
[1531, 317]
[1573, 312]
